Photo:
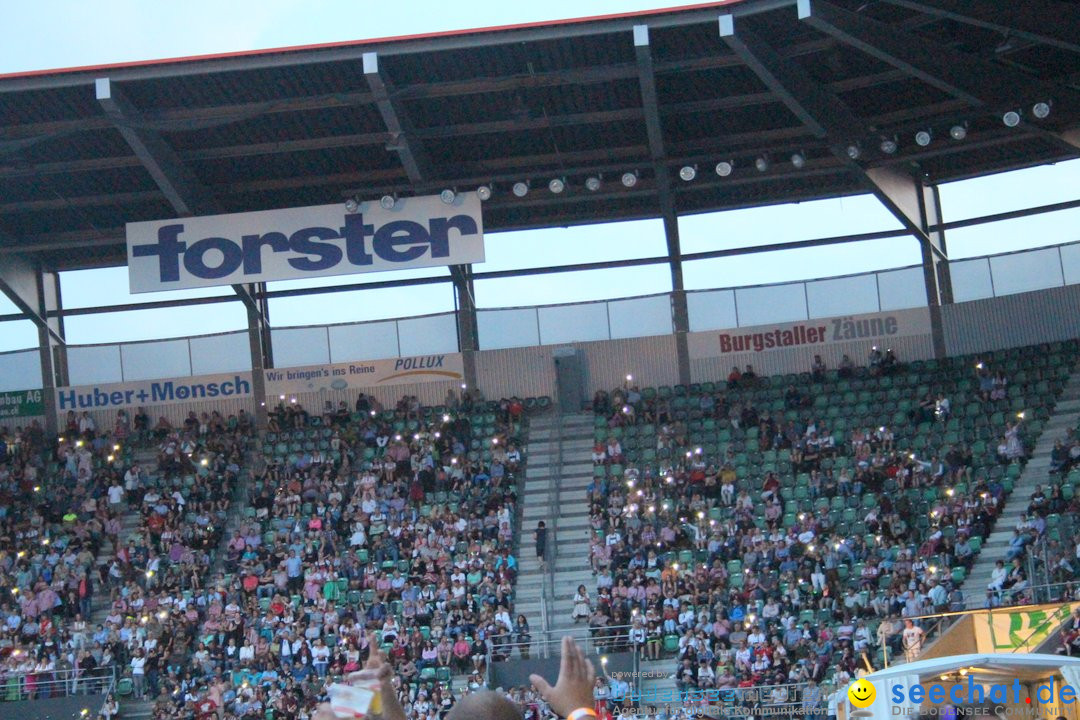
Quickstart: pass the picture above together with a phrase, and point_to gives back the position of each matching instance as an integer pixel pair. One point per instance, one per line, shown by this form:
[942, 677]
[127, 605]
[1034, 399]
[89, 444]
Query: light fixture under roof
[762, 163]
[1011, 118]
[448, 196]
[798, 160]
[958, 131]
[387, 202]
[484, 192]
[521, 188]
[854, 151]
[629, 179]
[889, 146]
[557, 185]
[687, 172]
[724, 168]
[923, 138]
[351, 205]
[1041, 110]
[592, 183]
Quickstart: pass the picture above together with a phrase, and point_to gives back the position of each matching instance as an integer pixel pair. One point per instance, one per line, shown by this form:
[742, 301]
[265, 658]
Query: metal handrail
[547, 586]
[61, 683]
[754, 697]
[1035, 554]
[590, 639]
[945, 620]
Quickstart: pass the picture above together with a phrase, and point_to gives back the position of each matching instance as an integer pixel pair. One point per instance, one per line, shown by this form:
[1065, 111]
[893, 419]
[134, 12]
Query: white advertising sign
[810, 334]
[153, 392]
[303, 242]
[448, 367]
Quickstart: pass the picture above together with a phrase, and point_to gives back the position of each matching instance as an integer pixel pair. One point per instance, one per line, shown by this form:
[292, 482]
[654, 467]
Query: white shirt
[912, 636]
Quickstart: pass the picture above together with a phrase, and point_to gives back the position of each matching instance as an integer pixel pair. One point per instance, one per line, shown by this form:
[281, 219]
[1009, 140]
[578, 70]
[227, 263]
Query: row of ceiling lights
[520, 189]
[724, 168]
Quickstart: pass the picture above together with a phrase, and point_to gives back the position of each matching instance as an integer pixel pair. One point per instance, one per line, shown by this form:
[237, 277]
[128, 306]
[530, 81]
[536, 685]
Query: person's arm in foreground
[377, 668]
[574, 688]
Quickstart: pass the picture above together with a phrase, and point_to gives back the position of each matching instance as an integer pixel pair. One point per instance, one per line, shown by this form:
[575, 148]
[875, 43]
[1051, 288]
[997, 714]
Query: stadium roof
[85, 150]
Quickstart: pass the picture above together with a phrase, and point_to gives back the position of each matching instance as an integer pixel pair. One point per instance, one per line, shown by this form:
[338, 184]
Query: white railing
[650, 315]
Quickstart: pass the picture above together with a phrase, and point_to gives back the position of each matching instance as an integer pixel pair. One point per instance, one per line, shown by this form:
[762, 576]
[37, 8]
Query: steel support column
[914, 203]
[188, 197]
[468, 336]
[647, 80]
[37, 294]
[261, 352]
[680, 316]
[918, 206]
[51, 346]
[403, 141]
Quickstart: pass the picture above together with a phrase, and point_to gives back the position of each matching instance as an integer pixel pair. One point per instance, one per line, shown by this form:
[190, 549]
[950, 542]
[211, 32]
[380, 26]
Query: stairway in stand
[1036, 472]
[550, 486]
[130, 521]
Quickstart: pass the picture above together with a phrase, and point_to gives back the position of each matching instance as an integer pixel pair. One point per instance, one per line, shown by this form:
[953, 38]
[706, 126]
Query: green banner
[21, 403]
[1022, 630]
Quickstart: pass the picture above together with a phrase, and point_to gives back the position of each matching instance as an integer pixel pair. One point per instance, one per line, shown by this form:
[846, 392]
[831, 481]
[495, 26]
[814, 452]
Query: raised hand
[574, 688]
[379, 676]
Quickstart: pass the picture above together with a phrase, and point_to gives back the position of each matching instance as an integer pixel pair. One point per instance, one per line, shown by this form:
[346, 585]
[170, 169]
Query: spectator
[912, 640]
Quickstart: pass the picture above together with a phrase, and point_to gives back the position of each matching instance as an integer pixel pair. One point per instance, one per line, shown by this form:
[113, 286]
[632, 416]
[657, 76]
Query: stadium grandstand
[774, 489]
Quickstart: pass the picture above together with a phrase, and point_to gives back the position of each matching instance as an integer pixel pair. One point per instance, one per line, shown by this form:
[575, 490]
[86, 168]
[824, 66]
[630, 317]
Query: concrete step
[538, 482]
[540, 512]
[547, 472]
[573, 523]
[569, 468]
[534, 581]
[1035, 472]
[131, 708]
[565, 562]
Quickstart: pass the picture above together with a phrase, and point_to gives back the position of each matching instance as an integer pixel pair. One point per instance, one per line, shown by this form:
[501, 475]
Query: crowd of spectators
[399, 521]
[63, 501]
[795, 551]
[803, 567]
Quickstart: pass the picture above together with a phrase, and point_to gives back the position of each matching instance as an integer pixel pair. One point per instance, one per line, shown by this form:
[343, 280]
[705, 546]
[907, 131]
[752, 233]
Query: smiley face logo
[861, 693]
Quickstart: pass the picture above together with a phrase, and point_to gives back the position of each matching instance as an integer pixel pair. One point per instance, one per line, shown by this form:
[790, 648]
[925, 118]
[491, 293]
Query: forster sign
[303, 242]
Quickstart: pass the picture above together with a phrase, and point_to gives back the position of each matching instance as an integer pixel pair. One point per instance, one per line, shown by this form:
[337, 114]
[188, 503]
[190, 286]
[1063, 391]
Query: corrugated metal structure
[1012, 320]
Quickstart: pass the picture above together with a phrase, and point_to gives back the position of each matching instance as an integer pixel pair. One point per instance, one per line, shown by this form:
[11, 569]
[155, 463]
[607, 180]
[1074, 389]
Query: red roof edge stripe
[372, 41]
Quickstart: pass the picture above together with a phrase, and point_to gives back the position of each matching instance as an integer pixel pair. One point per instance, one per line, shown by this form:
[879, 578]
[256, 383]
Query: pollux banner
[303, 242]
